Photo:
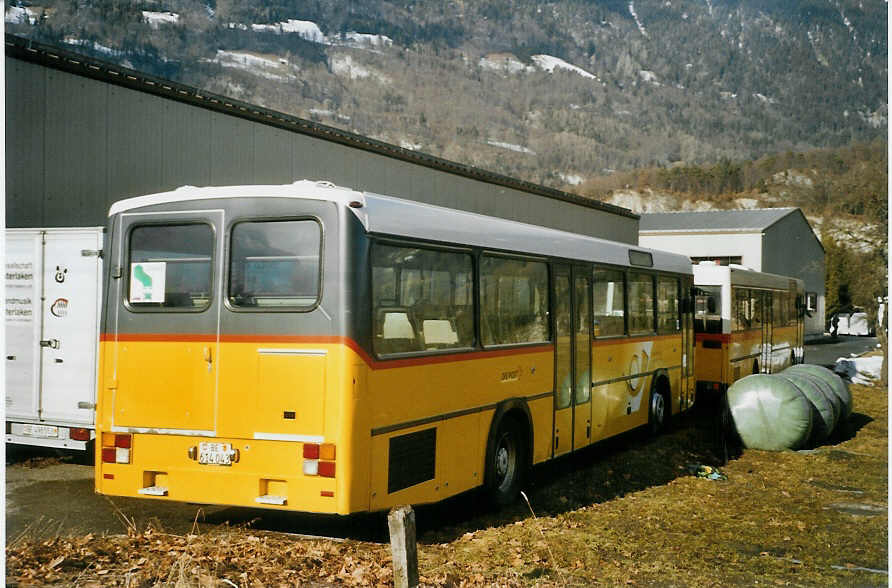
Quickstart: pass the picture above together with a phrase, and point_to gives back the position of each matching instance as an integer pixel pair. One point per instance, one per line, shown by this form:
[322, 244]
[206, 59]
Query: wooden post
[403, 548]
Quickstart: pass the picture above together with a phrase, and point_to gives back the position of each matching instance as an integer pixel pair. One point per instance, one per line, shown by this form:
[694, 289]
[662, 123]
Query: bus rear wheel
[506, 463]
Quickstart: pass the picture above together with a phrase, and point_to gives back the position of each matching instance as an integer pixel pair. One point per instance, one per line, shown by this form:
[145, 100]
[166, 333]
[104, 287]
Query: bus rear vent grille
[413, 459]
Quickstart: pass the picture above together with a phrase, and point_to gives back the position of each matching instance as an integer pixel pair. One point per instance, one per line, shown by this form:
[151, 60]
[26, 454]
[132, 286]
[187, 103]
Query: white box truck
[53, 295]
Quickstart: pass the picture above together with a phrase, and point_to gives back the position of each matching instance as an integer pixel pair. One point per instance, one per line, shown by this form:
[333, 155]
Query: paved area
[48, 494]
[827, 350]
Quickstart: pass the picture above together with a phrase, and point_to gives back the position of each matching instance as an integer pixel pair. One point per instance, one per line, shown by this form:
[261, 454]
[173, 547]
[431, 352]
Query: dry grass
[626, 513]
[773, 520]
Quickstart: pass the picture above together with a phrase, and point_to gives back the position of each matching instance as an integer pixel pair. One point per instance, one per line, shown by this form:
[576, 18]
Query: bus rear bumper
[266, 474]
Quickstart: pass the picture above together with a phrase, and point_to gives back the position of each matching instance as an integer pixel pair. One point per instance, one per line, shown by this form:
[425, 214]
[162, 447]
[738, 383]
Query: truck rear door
[23, 271]
[52, 330]
[68, 345]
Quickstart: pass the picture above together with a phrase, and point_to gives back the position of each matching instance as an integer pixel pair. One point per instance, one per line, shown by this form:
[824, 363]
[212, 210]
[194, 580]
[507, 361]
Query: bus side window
[668, 320]
[641, 303]
[742, 312]
[513, 301]
[421, 299]
[608, 302]
[757, 308]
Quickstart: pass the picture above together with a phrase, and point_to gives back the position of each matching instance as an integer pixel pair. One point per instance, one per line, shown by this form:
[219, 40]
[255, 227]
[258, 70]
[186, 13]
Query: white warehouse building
[774, 240]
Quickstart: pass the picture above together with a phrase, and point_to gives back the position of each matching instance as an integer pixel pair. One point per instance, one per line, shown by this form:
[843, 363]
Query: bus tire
[659, 407]
[506, 462]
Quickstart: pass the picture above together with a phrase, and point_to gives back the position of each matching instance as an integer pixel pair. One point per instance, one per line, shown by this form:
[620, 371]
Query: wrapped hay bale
[826, 412]
[836, 383]
[827, 389]
[770, 413]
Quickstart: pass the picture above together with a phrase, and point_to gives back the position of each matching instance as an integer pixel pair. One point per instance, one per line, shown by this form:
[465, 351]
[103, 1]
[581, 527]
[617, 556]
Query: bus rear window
[708, 309]
[275, 264]
[170, 267]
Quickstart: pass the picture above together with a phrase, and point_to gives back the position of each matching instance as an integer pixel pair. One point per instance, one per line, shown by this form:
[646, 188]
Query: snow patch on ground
[511, 147]
[20, 15]
[549, 64]
[362, 40]
[93, 45]
[649, 76]
[346, 66]
[860, 370]
[572, 179]
[503, 63]
[305, 29]
[156, 19]
[310, 31]
[638, 21]
[875, 119]
[818, 55]
[271, 67]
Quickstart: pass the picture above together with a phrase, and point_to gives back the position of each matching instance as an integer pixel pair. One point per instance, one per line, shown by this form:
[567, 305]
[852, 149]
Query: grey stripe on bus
[633, 376]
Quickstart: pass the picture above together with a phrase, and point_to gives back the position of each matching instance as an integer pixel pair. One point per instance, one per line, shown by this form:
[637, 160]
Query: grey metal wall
[75, 144]
[790, 248]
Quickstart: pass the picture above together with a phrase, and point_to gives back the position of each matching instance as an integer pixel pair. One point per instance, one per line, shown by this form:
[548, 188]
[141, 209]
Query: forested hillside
[554, 92]
[843, 193]
[650, 104]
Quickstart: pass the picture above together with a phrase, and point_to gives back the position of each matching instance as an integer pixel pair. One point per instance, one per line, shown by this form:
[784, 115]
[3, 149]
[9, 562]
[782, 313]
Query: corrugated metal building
[774, 240]
[82, 133]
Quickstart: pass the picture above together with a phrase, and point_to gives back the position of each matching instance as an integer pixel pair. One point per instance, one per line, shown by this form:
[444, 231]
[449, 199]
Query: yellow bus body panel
[180, 396]
[273, 397]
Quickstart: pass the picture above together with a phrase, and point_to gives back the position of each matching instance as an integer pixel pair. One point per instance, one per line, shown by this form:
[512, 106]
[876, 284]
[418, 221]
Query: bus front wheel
[506, 463]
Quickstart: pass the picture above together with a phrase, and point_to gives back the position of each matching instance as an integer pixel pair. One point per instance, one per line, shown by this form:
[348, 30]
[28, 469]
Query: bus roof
[713, 274]
[386, 215]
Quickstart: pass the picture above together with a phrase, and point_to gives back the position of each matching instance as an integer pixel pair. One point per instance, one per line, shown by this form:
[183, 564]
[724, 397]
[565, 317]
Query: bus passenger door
[582, 357]
[563, 360]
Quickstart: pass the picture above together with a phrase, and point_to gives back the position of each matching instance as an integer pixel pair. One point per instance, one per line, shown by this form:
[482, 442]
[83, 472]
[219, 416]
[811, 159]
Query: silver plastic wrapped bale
[825, 387]
[825, 413]
[770, 413]
[837, 384]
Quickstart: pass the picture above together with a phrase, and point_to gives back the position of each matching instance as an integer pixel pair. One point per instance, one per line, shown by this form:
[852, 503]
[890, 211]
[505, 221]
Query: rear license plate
[215, 453]
[40, 431]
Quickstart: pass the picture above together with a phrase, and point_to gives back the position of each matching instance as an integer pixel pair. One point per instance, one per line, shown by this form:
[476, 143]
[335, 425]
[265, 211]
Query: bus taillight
[116, 448]
[319, 459]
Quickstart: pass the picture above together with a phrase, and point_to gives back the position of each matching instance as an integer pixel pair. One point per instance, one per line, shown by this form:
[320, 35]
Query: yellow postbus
[746, 322]
[313, 348]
